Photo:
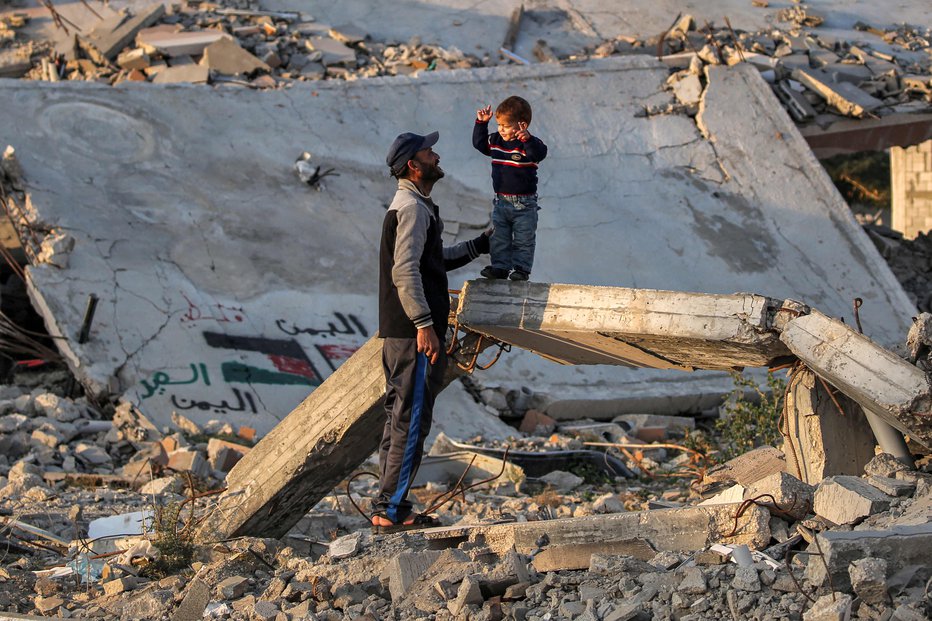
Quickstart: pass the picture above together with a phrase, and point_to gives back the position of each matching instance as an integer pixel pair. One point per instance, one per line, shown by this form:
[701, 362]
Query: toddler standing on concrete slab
[515, 154]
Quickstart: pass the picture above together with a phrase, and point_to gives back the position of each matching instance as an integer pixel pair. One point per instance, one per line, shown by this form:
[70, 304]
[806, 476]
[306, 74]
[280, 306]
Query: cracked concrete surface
[228, 289]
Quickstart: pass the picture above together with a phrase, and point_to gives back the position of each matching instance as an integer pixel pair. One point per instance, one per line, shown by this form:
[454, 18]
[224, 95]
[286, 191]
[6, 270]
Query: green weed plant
[748, 423]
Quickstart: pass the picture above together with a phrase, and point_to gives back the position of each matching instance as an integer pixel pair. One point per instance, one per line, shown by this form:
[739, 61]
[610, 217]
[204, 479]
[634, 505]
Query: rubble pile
[204, 42]
[331, 567]
[910, 260]
[817, 77]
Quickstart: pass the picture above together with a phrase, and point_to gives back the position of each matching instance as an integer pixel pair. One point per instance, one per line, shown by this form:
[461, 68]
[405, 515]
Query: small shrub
[175, 545]
[748, 424]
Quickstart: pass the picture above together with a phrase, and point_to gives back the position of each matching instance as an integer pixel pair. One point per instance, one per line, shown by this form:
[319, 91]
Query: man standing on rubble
[414, 306]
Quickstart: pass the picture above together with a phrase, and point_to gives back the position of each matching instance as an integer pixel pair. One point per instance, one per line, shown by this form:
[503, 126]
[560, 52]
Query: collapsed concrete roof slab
[631, 327]
[877, 379]
[228, 289]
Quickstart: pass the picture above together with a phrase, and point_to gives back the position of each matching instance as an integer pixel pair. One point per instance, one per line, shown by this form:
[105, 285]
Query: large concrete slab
[631, 327]
[877, 379]
[676, 530]
[230, 290]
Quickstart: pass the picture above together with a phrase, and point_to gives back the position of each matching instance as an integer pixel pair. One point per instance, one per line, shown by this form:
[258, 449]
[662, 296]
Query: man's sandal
[418, 521]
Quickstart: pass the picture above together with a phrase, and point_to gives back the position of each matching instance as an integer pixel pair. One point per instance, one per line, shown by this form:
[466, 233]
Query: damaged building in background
[196, 192]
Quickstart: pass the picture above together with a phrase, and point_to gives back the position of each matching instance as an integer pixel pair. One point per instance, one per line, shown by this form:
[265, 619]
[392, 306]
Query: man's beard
[433, 173]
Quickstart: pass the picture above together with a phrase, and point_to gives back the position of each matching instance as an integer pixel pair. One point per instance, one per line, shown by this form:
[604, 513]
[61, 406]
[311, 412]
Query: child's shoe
[519, 275]
[494, 272]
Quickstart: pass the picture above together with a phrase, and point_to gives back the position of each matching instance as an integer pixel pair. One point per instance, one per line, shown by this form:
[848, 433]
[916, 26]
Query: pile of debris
[817, 77]
[201, 42]
[584, 545]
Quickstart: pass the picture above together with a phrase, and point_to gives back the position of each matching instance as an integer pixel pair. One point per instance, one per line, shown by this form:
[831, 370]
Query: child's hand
[483, 115]
[523, 134]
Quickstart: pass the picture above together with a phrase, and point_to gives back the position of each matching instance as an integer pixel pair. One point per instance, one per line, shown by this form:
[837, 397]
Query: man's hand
[523, 134]
[428, 343]
[483, 115]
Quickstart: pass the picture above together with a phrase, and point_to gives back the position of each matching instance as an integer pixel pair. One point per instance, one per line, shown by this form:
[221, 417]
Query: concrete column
[911, 188]
[823, 441]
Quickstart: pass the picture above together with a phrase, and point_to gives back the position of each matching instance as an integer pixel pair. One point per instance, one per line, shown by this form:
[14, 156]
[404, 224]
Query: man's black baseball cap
[404, 148]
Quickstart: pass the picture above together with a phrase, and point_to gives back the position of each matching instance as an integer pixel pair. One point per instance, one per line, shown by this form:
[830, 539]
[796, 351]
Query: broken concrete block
[196, 598]
[120, 585]
[734, 494]
[163, 485]
[405, 568]
[91, 454]
[166, 41]
[562, 482]
[193, 74]
[226, 57]
[891, 486]
[189, 460]
[468, 594]
[797, 105]
[845, 97]
[233, 587]
[537, 423]
[847, 499]
[693, 582]
[348, 34]
[749, 467]
[112, 35]
[831, 607]
[133, 59]
[746, 579]
[223, 455]
[332, 52]
[869, 579]
[884, 465]
[900, 546]
[788, 493]
[614, 564]
[687, 88]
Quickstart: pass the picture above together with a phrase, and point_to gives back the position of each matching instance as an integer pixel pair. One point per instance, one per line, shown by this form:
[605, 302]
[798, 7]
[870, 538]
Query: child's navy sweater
[514, 163]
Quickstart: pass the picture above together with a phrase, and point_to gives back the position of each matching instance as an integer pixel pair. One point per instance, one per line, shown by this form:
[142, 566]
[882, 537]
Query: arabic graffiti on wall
[254, 360]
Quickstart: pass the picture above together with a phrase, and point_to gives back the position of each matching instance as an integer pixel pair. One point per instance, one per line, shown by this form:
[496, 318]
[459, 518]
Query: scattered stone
[227, 58]
[561, 481]
[869, 579]
[847, 499]
[233, 587]
[831, 607]
[468, 594]
[193, 74]
[884, 465]
[892, 487]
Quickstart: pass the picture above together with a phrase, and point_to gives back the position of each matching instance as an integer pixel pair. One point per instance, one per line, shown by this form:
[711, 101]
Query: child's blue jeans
[515, 221]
